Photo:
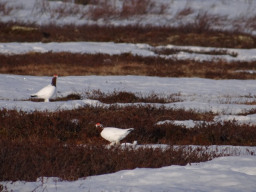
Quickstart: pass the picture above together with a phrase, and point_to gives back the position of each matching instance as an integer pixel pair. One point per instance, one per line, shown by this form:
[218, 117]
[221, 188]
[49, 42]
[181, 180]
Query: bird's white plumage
[47, 92]
[114, 135]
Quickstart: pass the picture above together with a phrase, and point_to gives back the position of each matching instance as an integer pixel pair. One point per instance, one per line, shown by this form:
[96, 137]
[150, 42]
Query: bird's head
[54, 79]
[98, 125]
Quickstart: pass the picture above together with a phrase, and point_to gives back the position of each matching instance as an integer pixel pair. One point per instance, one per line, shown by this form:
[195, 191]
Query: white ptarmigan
[112, 134]
[47, 92]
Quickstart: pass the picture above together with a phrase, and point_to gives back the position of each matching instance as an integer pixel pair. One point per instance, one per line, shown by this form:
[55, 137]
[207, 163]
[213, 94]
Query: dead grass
[183, 35]
[170, 51]
[78, 126]
[128, 97]
[29, 161]
[184, 12]
[199, 32]
[102, 9]
[60, 126]
[66, 144]
[66, 64]
[136, 7]
[117, 97]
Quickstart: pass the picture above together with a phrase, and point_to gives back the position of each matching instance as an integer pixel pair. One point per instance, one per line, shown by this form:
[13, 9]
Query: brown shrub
[170, 51]
[65, 64]
[128, 97]
[136, 7]
[79, 125]
[65, 10]
[204, 21]
[102, 9]
[72, 96]
[230, 133]
[187, 10]
[28, 161]
[66, 144]
[182, 35]
[84, 2]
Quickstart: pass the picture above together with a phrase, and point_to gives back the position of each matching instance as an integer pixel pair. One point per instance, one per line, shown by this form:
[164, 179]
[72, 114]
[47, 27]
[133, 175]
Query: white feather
[47, 92]
[114, 135]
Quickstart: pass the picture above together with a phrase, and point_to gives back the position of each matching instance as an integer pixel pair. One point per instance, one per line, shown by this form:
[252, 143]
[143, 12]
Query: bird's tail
[131, 129]
[33, 95]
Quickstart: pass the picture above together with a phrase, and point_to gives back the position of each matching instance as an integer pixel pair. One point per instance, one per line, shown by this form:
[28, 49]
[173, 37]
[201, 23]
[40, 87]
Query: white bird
[47, 92]
[112, 134]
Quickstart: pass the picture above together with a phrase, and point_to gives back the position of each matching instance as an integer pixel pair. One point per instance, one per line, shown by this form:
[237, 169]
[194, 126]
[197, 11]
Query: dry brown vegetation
[29, 161]
[79, 125]
[66, 144]
[183, 35]
[170, 51]
[128, 97]
[65, 64]
[117, 97]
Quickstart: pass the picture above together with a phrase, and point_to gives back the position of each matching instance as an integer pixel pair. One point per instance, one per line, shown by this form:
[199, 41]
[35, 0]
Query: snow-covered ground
[144, 50]
[226, 98]
[223, 14]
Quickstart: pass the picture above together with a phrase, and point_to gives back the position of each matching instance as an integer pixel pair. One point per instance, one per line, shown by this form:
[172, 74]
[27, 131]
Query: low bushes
[182, 35]
[68, 64]
[128, 97]
[78, 126]
[66, 144]
[28, 161]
